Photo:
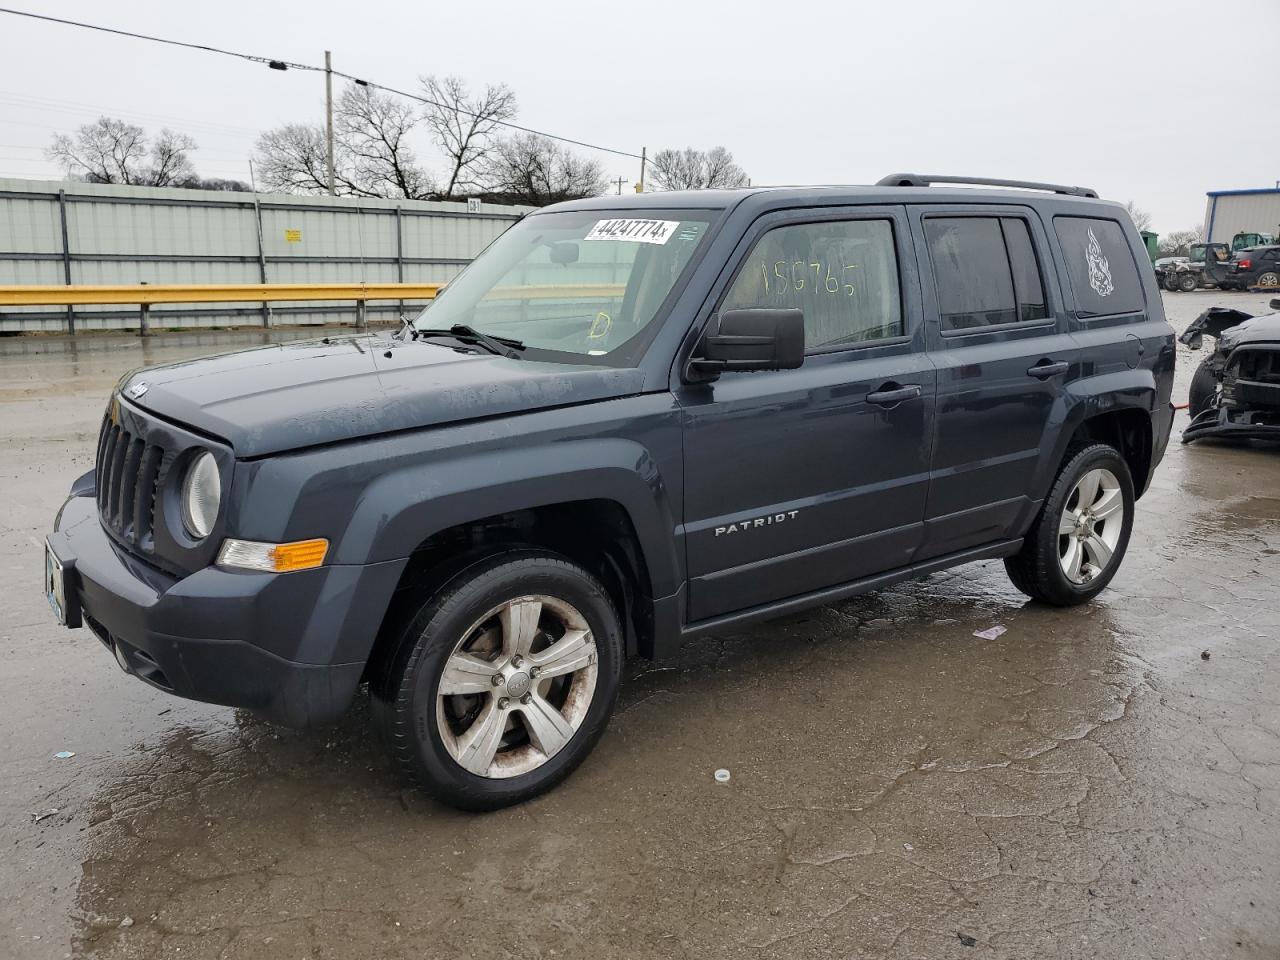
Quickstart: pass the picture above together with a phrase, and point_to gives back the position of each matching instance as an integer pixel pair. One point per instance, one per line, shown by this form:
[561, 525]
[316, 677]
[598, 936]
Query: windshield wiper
[501, 346]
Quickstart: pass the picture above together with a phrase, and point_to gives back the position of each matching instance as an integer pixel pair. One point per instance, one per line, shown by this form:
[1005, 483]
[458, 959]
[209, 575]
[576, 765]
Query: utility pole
[643, 153]
[328, 113]
[620, 181]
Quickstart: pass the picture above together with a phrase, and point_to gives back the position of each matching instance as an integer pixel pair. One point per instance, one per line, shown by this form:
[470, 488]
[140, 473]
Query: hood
[1264, 329]
[285, 396]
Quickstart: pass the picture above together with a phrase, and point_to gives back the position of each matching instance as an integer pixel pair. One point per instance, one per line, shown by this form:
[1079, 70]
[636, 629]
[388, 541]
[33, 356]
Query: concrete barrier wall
[79, 233]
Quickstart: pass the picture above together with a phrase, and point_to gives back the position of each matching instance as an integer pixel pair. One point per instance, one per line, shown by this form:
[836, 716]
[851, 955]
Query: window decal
[1099, 268]
[637, 231]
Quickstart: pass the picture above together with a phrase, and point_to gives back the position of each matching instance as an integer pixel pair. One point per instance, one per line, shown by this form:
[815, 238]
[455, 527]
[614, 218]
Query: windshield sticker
[637, 231]
[1099, 268]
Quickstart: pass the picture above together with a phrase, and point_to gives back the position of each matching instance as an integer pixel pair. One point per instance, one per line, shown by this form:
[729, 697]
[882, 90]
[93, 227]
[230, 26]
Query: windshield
[584, 283]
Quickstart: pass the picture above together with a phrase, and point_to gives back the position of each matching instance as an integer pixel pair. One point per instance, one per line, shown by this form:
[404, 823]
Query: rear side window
[1100, 266]
[842, 273]
[985, 271]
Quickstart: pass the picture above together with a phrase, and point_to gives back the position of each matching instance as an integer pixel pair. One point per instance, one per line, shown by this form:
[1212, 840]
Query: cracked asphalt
[1086, 785]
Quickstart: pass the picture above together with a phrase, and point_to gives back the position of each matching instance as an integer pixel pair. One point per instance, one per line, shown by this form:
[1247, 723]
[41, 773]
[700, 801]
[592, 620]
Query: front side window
[583, 286]
[1100, 266]
[843, 274]
[985, 271]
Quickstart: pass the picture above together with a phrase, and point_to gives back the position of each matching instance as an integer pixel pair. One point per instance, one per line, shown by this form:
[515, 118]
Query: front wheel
[1187, 283]
[503, 682]
[1204, 388]
[1079, 538]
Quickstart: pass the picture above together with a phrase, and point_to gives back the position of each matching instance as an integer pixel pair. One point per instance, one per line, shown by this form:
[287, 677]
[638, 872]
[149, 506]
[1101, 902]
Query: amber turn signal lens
[302, 555]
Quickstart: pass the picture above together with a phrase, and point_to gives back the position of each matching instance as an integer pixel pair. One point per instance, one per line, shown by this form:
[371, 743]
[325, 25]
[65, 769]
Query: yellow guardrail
[35, 295]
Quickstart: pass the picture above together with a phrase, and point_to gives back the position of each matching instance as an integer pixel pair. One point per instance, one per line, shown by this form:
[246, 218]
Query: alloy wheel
[517, 687]
[1090, 526]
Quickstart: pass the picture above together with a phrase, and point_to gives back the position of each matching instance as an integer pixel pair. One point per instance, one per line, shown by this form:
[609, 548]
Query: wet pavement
[1086, 785]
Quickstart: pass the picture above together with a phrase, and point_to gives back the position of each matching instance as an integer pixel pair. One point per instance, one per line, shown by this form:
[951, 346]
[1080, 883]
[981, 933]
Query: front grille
[128, 474]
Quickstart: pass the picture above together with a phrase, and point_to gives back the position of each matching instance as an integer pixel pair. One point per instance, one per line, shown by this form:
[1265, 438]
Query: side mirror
[752, 340]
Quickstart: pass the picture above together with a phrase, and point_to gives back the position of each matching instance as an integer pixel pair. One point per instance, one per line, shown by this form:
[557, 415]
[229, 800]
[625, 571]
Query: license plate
[55, 583]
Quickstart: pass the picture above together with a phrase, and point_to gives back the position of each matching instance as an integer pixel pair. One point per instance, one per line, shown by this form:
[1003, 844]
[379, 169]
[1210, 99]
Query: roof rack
[924, 180]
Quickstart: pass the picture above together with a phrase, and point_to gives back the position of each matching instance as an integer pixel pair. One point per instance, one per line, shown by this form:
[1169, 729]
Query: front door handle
[891, 394]
[1045, 369]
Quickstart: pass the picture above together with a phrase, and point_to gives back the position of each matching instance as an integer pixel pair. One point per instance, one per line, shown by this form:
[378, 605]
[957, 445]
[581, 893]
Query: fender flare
[1085, 399]
[430, 497]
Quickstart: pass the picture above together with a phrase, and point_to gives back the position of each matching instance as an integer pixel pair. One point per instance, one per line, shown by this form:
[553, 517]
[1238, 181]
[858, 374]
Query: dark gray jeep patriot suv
[629, 422]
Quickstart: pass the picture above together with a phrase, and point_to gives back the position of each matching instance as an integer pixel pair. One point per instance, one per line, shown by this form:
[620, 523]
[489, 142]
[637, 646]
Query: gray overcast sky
[1146, 101]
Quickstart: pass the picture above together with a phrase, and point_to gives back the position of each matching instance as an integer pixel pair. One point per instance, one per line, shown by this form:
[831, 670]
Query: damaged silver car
[1235, 392]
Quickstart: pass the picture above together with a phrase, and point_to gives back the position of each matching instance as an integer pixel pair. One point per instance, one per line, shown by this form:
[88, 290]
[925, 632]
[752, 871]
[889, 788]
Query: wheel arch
[1115, 409]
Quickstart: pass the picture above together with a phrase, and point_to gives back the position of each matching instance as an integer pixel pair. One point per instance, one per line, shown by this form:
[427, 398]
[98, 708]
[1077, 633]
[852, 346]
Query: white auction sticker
[637, 231]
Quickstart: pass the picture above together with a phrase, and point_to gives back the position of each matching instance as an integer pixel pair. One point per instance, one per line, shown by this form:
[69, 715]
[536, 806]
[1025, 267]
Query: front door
[797, 480]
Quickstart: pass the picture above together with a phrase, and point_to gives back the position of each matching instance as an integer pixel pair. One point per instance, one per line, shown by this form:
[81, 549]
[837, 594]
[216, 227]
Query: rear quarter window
[1100, 266]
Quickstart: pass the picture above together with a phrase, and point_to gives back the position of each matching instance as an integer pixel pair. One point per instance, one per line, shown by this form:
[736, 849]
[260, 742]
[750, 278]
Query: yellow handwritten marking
[595, 333]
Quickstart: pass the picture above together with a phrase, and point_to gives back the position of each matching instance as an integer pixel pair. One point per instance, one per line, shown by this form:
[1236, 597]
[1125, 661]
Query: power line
[286, 64]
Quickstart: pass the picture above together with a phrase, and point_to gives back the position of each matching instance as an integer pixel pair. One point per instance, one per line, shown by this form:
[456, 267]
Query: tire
[1187, 283]
[1171, 283]
[1204, 387]
[1039, 569]
[478, 624]
[1268, 280]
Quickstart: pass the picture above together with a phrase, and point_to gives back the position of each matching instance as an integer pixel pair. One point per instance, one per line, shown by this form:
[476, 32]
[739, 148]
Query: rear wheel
[503, 682]
[1187, 283]
[1269, 280]
[1077, 542]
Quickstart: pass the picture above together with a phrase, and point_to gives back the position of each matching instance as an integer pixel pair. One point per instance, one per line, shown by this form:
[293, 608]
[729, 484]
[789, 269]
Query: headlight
[201, 496]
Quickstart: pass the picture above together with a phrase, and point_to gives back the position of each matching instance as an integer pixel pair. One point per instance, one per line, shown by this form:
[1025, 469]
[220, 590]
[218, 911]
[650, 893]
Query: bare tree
[374, 130]
[1141, 218]
[527, 168]
[1177, 243]
[170, 159]
[109, 150]
[464, 127]
[691, 169]
[293, 159]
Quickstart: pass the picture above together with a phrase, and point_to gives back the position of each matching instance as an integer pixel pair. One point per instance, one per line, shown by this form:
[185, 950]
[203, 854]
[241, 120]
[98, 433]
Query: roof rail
[924, 180]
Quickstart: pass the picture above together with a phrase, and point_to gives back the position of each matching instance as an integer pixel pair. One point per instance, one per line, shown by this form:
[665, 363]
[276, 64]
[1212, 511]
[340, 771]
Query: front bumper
[288, 647]
[1235, 424]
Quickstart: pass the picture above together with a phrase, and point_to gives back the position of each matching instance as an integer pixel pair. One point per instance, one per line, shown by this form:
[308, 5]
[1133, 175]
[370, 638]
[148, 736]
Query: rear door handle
[1044, 369]
[891, 394]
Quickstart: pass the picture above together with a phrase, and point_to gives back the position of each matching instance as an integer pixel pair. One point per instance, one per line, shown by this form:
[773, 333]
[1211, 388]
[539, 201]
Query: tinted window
[1026, 271]
[985, 271]
[842, 273]
[1100, 266]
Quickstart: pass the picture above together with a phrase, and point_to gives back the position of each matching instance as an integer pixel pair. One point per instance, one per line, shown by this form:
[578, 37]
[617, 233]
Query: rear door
[801, 479]
[1004, 354]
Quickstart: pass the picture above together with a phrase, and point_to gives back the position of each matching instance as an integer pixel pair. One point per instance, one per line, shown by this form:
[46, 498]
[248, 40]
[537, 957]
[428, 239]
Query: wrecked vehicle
[1236, 390]
[1207, 266]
